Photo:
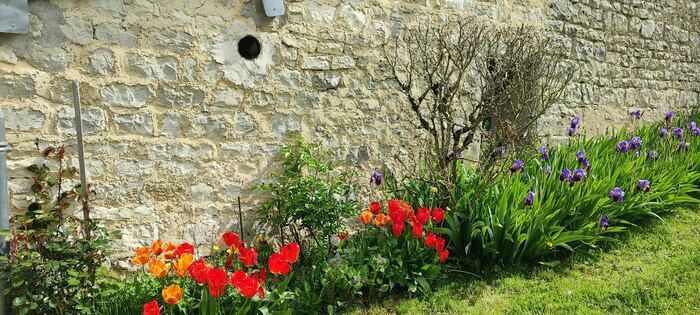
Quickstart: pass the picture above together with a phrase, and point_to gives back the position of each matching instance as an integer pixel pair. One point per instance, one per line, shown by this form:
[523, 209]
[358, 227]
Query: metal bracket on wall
[14, 16]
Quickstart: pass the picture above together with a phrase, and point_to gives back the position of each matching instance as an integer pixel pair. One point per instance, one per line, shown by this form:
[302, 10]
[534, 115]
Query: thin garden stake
[78, 122]
[4, 204]
[240, 220]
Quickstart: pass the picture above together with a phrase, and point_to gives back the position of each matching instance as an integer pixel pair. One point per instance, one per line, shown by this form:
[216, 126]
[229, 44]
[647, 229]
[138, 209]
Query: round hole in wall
[249, 47]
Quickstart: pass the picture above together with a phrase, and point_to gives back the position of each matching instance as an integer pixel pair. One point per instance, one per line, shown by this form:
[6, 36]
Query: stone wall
[179, 125]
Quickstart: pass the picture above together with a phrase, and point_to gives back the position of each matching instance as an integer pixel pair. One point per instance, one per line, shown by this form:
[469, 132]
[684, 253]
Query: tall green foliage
[493, 224]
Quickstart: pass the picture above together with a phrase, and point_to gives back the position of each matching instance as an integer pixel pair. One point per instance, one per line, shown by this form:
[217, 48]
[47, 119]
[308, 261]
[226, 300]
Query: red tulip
[423, 215]
[290, 252]
[397, 228]
[439, 244]
[249, 257]
[394, 205]
[417, 230]
[216, 279]
[260, 278]
[375, 207]
[430, 240]
[151, 308]
[247, 285]
[198, 271]
[342, 236]
[261, 275]
[231, 239]
[229, 261]
[443, 254]
[184, 248]
[277, 264]
[236, 277]
[438, 215]
[396, 212]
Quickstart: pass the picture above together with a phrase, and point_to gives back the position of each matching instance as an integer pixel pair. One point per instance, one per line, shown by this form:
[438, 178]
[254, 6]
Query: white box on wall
[273, 7]
[14, 16]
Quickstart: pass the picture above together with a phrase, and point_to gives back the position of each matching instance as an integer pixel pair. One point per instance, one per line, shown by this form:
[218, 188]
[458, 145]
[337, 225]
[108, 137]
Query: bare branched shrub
[522, 76]
[462, 79]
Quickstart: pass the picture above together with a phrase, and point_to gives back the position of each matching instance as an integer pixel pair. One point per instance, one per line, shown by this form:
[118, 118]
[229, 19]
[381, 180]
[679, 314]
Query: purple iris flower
[683, 145]
[636, 114]
[653, 154]
[604, 222]
[622, 147]
[579, 174]
[573, 128]
[678, 133]
[575, 122]
[695, 131]
[529, 199]
[669, 116]
[580, 155]
[635, 143]
[585, 163]
[548, 169]
[376, 178]
[643, 185]
[692, 125]
[517, 165]
[545, 153]
[501, 150]
[565, 175]
[617, 194]
[663, 133]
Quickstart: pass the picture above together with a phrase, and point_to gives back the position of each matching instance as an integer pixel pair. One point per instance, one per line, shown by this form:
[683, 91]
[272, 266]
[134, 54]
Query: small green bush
[52, 264]
[308, 196]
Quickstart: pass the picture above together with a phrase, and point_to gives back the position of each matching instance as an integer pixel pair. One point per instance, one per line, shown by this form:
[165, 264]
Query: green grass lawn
[650, 272]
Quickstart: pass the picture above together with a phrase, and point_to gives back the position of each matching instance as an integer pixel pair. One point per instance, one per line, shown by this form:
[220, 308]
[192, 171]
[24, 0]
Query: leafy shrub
[575, 207]
[394, 252]
[308, 196]
[49, 244]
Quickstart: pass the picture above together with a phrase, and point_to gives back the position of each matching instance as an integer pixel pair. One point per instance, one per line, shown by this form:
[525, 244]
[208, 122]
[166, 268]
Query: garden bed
[541, 207]
[650, 272]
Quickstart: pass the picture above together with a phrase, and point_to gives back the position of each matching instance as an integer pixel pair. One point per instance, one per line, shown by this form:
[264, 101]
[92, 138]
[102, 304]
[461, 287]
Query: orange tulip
[405, 207]
[143, 254]
[387, 220]
[157, 247]
[366, 217]
[169, 250]
[172, 294]
[158, 267]
[183, 264]
[380, 220]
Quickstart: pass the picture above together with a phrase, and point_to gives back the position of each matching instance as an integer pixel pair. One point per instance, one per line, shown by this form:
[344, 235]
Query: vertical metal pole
[78, 123]
[240, 220]
[4, 204]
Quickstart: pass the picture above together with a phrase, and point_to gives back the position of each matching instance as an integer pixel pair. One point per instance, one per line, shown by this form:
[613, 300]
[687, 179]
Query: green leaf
[550, 263]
